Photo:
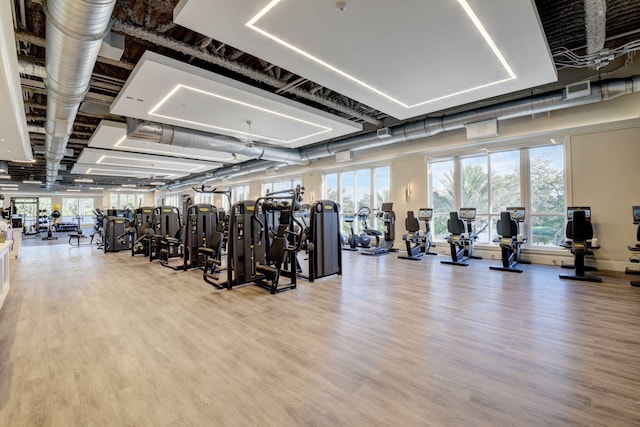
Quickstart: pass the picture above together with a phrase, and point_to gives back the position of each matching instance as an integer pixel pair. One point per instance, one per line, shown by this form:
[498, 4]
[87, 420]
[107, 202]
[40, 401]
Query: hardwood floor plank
[88, 338]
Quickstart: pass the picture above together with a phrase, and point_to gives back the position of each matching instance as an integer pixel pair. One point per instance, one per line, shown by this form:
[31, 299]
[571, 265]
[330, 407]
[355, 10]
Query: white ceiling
[164, 90]
[136, 165]
[404, 58]
[113, 136]
[14, 138]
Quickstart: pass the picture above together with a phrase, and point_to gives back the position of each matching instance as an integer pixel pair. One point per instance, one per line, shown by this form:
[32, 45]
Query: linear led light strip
[120, 144]
[190, 166]
[115, 172]
[472, 16]
[324, 129]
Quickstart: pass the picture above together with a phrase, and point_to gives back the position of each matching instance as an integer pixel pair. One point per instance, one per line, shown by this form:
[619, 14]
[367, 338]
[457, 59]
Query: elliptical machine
[511, 239]
[363, 239]
[389, 222]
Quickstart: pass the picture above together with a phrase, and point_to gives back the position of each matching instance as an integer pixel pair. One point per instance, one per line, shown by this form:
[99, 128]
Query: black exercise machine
[201, 240]
[167, 224]
[142, 230]
[263, 242]
[114, 228]
[579, 233]
[385, 246]
[223, 217]
[511, 239]
[412, 238]
[635, 250]
[323, 240]
[461, 237]
[362, 239]
[418, 243]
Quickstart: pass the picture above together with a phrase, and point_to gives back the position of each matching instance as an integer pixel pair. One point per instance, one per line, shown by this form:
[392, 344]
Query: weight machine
[201, 240]
[167, 224]
[262, 243]
[322, 246]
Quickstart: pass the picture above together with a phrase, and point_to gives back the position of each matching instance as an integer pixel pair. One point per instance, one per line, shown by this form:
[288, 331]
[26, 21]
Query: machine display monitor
[517, 213]
[425, 214]
[467, 214]
[636, 214]
[572, 209]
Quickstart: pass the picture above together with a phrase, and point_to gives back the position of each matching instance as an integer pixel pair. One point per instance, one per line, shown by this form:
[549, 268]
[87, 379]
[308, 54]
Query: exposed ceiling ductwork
[429, 127]
[189, 138]
[75, 30]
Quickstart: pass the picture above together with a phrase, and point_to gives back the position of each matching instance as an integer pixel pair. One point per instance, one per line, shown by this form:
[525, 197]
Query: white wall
[604, 175]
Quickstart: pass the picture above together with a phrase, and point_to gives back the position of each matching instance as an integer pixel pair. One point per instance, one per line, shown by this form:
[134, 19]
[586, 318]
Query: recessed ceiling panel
[404, 58]
[113, 136]
[135, 165]
[164, 90]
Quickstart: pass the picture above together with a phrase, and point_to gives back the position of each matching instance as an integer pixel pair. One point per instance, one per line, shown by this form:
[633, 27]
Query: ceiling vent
[577, 90]
[343, 156]
[384, 133]
[482, 130]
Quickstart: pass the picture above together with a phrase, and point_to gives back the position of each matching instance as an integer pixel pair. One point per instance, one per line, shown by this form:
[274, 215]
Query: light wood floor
[93, 339]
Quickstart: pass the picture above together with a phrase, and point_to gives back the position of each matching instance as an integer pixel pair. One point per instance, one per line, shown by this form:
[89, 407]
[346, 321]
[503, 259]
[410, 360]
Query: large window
[547, 195]
[492, 182]
[443, 195]
[239, 193]
[368, 187]
[172, 200]
[278, 185]
[77, 207]
[126, 200]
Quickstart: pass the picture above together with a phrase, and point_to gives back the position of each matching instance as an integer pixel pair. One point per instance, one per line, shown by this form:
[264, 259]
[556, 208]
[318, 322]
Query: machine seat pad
[171, 240]
[267, 270]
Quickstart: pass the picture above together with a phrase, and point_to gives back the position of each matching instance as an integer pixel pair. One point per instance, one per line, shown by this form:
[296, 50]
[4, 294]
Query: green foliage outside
[547, 197]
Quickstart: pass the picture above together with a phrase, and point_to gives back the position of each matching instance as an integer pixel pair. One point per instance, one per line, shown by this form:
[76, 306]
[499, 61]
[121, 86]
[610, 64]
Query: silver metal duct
[75, 29]
[189, 138]
[250, 166]
[505, 111]
[428, 127]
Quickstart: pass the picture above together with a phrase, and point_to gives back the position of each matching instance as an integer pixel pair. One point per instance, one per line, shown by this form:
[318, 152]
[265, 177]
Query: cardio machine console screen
[572, 209]
[425, 214]
[467, 214]
[517, 213]
[636, 214]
